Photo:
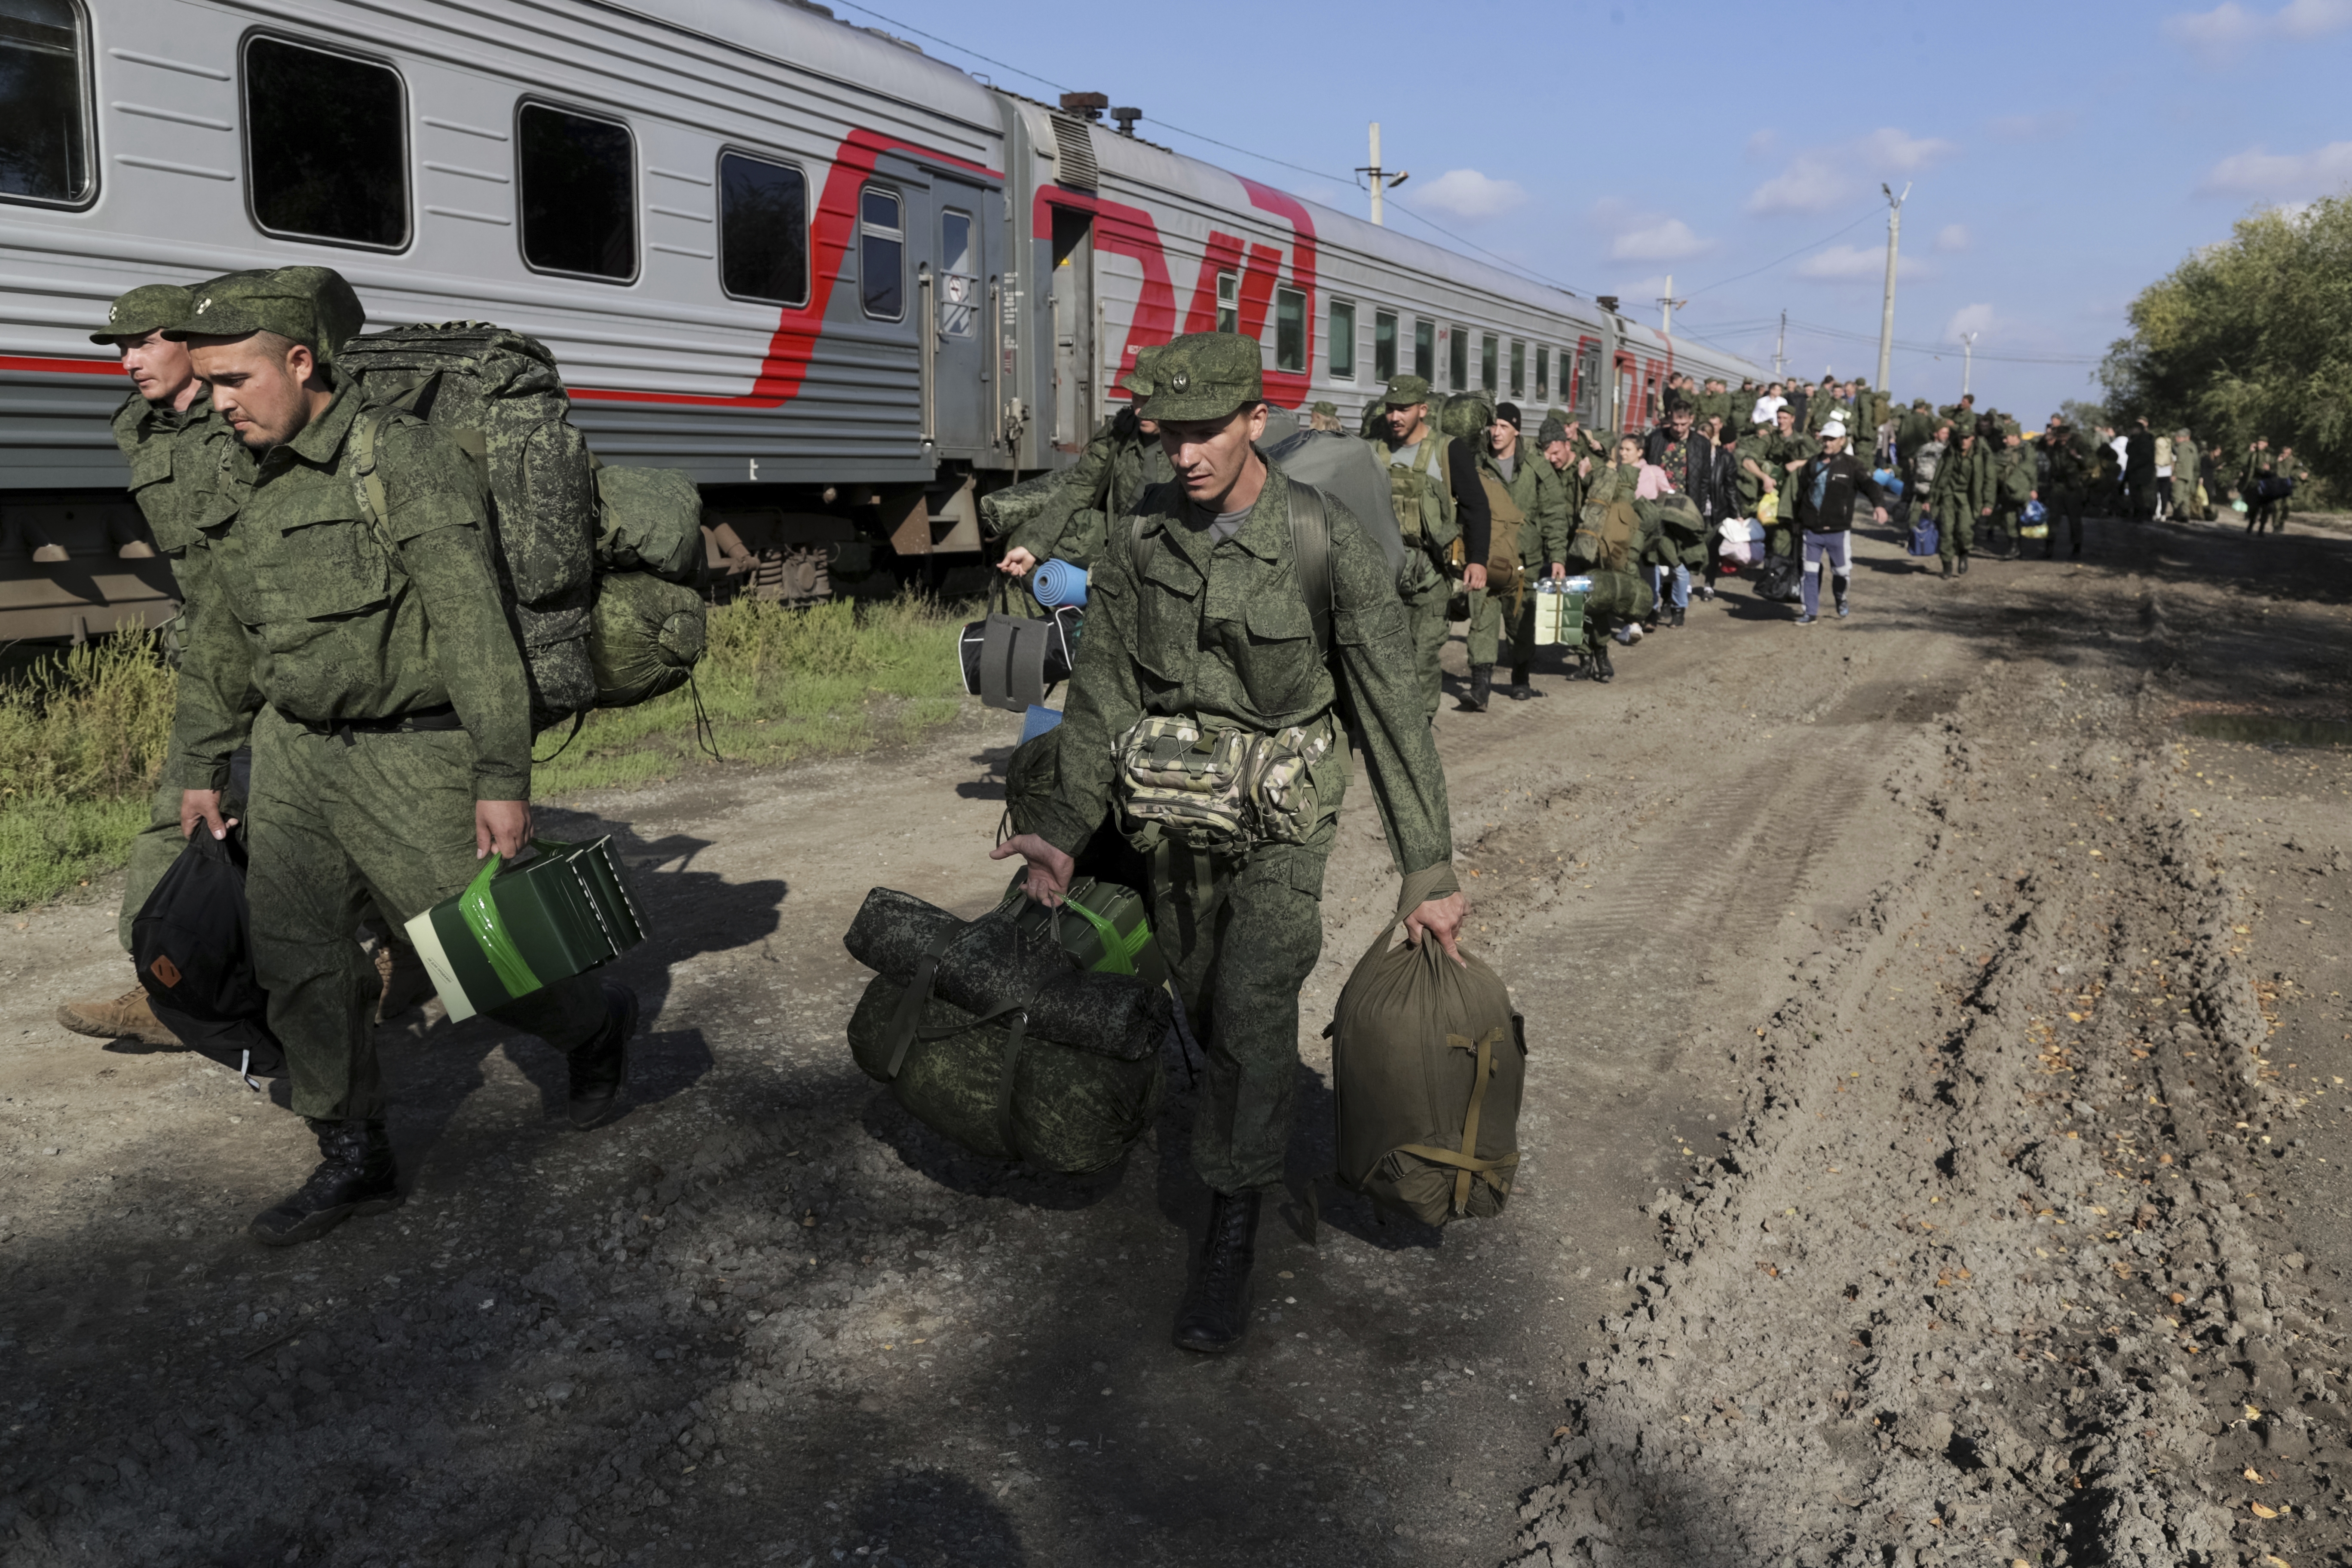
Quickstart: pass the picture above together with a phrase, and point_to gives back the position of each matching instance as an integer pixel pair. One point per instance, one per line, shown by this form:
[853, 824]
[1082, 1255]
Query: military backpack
[565, 530]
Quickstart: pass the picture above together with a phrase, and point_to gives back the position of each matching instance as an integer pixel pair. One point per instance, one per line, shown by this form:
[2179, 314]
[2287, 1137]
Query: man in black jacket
[1826, 488]
[1688, 459]
[2139, 472]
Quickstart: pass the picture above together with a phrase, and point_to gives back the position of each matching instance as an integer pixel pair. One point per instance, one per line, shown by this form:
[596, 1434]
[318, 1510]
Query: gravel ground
[1934, 1152]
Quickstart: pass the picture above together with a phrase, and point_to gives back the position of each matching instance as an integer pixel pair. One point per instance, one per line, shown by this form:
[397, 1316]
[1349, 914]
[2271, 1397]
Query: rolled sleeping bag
[1057, 583]
[991, 962]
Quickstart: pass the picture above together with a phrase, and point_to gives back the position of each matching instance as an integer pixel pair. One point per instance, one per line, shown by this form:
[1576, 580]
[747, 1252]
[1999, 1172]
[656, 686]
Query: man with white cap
[1826, 488]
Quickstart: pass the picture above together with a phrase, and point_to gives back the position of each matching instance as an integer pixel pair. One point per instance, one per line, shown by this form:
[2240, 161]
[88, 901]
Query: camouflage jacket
[2069, 465]
[1535, 485]
[326, 618]
[1222, 633]
[2015, 477]
[1963, 481]
[1109, 478]
[176, 461]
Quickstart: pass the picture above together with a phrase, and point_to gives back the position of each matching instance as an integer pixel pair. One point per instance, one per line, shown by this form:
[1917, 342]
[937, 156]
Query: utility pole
[1381, 179]
[1968, 359]
[1666, 304]
[1887, 311]
[1779, 347]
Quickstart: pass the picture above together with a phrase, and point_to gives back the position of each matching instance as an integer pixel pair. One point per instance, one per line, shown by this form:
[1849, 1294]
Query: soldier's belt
[424, 720]
[1220, 789]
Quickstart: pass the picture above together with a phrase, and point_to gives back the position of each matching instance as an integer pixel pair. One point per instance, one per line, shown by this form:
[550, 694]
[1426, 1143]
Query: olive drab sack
[1428, 1064]
[646, 635]
[500, 395]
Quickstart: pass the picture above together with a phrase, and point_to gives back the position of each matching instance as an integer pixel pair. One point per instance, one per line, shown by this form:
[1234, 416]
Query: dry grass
[82, 739]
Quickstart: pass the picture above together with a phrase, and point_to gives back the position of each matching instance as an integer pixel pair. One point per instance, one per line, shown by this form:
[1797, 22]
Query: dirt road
[1934, 1152]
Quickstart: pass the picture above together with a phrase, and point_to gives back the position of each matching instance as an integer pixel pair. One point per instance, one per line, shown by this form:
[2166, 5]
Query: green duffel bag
[1003, 1093]
[1428, 1062]
[644, 636]
[648, 520]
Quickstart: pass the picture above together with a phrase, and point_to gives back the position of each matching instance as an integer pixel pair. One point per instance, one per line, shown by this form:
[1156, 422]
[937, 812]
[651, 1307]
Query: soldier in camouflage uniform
[2013, 485]
[2069, 474]
[1787, 453]
[1961, 492]
[1196, 612]
[1440, 505]
[170, 438]
[1535, 487]
[1062, 515]
[390, 716]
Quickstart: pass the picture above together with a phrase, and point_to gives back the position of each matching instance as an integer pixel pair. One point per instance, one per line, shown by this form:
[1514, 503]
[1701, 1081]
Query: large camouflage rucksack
[557, 519]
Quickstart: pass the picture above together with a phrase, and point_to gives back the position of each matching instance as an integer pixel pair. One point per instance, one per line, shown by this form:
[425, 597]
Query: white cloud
[1820, 178]
[1969, 319]
[2229, 27]
[1468, 194]
[1854, 264]
[2258, 172]
[1951, 237]
[1654, 237]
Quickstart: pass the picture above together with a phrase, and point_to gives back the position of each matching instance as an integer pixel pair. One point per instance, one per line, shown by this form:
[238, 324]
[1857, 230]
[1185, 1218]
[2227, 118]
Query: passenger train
[848, 287]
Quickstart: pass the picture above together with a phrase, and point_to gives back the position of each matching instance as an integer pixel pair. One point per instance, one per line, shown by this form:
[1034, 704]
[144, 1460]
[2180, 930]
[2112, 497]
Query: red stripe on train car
[793, 345]
[1123, 231]
[1289, 388]
[61, 366]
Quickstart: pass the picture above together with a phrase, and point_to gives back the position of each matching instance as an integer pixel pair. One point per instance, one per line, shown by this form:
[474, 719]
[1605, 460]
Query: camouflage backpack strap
[367, 447]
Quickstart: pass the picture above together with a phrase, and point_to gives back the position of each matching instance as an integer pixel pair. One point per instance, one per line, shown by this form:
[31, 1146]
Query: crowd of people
[1763, 479]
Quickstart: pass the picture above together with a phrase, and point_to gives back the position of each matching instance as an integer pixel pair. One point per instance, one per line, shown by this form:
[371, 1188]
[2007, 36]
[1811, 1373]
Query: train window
[1229, 302]
[1340, 341]
[326, 145]
[762, 230]
[881, 254]
[1519, 368]
[1489, 353]
[44, 102]
[1543, 372]
[1384, 344]
[1289, 329]
[579, 201]
[1424, 350]
[1457, 361]
[959, 275]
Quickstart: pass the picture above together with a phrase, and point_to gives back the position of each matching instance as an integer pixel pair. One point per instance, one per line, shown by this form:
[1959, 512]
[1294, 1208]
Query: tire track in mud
[1968, 1283]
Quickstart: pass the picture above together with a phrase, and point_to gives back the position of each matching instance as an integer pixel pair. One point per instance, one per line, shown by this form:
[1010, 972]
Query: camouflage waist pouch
[1222, 789]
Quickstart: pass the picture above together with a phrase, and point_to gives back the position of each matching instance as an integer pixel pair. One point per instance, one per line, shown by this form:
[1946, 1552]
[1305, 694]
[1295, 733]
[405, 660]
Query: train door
[1073, 301]
[963, 388]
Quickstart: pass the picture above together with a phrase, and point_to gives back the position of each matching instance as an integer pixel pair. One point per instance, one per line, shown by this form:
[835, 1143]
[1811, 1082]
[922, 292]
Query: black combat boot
[356, 1176]
[1947, 569]
[1964, 564]
[1215, 1310]
[1523, 685]
[1678, 615]
[601, 1067]
[1601, 668]
[1481, 686]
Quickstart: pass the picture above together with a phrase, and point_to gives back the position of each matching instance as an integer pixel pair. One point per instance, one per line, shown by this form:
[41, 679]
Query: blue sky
[2062, 155]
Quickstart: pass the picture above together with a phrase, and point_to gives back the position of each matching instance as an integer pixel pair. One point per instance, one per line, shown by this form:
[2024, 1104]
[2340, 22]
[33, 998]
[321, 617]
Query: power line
[1801, 250]
[1917, 347]
[1520, 269]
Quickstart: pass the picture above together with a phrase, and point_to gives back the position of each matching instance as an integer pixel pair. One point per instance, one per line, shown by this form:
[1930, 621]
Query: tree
[2251, 337]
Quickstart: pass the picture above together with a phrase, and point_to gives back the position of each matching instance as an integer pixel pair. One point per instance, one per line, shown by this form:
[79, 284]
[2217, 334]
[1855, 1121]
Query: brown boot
[124, 1017]
[407, 983]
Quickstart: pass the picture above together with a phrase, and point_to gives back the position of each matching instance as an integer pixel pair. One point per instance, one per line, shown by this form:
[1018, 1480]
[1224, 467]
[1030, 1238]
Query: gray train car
[846, 287]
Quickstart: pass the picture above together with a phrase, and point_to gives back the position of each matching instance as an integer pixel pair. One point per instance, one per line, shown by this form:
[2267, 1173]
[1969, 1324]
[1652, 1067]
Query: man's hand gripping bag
[1428, 1061]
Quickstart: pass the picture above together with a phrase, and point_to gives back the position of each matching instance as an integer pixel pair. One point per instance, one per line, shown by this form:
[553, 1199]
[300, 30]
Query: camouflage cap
[1137, 380]
[1325, 406]
[144, 309]
[1201, 375]
[312, 305]
[1405, 391]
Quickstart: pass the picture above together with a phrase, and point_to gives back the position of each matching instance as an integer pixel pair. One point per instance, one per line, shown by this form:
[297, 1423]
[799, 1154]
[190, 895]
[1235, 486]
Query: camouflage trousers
[1241, 934]
[1503, 619]
[1425, 612]
[331, 823]
[1958, 527]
